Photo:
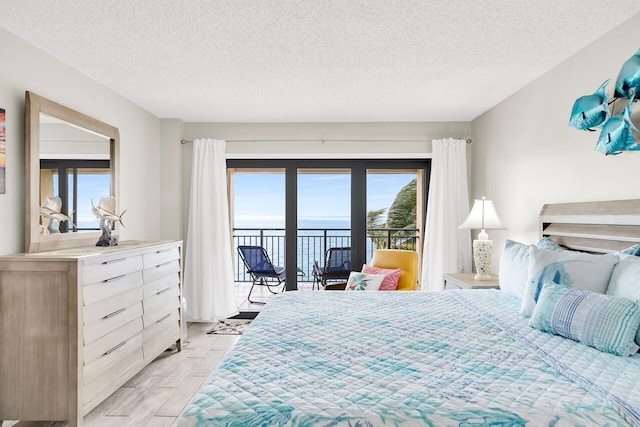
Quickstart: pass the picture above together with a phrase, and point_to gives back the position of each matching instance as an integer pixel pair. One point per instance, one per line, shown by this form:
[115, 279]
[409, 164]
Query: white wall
[398, 131]
[25, 68]
[526, 155]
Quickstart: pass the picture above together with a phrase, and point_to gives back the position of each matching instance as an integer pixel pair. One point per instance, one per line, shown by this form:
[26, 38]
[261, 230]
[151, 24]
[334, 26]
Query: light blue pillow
[514, 265]
[604, 322]
[577, 269]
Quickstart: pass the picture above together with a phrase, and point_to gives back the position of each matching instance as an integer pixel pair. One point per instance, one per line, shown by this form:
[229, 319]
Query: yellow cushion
[399, 258]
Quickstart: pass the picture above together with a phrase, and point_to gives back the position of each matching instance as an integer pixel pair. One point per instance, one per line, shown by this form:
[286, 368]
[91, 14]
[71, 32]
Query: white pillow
[625, 281]
[576, 269]
[514, 268]
[364, 282]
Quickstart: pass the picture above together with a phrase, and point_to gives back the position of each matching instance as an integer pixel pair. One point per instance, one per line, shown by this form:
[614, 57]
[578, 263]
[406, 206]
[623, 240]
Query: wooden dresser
[76, 324]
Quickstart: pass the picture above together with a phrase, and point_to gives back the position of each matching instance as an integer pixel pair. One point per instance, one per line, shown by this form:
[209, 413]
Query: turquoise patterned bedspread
[462, 358]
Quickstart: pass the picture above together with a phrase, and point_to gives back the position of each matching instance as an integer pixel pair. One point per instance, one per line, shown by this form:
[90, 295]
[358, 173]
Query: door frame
[358, 169]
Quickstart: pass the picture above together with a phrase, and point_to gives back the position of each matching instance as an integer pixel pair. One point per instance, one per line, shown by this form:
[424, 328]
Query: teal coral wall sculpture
[592, 111]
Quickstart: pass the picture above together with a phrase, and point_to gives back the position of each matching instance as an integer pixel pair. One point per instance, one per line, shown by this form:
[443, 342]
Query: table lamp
[483, 216]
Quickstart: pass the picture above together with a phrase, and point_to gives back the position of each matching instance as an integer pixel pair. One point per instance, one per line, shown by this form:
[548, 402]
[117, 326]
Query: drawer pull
[113, 278]
[115, 313]
[166, 316]
[164, 290]
[164, 264]
[164, 250]
[114, 348]
[114, 261]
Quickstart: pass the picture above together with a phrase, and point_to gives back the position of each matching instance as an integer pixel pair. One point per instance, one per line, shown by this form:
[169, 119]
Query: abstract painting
[3, 153]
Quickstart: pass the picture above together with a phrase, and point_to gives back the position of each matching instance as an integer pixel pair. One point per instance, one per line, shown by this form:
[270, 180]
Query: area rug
[229, 327]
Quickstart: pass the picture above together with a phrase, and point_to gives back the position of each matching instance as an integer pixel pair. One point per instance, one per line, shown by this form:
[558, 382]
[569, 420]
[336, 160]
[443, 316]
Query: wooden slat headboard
[598, 227]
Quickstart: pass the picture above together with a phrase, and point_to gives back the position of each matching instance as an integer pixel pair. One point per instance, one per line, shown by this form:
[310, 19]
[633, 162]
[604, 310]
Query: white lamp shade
[483, 216]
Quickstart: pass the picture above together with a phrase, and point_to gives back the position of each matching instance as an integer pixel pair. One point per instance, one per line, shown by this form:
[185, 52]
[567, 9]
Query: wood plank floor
[158, 394]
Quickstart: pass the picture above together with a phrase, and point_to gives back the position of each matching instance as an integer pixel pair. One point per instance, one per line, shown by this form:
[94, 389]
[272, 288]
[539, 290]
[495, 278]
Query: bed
[463, 357]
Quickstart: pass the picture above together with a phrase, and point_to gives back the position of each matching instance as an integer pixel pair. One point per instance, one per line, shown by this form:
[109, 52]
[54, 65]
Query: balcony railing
[313, 244]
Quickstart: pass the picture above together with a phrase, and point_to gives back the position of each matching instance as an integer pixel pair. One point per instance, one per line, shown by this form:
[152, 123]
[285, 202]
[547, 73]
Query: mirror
[71, 156]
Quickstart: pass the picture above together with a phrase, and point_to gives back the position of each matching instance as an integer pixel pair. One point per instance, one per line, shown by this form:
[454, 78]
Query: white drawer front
[100, 309]
[171, 280]
[112, 268]
[159, 336]
[160, 257]
[95, 292]
[159, 271]
[111, 375]
[164, 302]
[112, 341]
[93, 370]
[152, 317]
[111, 322]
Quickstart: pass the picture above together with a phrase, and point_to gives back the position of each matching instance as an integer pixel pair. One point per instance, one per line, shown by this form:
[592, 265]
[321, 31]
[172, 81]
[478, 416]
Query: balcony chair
[406, 260]
[337, 267]
[261, 269]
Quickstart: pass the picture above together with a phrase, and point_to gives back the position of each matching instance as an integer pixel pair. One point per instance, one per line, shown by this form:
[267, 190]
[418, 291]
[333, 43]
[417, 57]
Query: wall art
[3, 153]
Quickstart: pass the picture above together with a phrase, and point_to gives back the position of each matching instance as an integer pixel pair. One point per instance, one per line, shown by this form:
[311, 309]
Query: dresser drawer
[111, 322]
[95, 369]
[153, 288]
[112, 341]
[109, 306]
[161, 304]
[111, 268]
[152, 317]
[159, 271]
[95, 292]
[161, 256]
[159, 336]
[118, 373]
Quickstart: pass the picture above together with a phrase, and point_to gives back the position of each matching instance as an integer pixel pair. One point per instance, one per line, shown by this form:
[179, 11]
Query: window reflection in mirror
[74, 165]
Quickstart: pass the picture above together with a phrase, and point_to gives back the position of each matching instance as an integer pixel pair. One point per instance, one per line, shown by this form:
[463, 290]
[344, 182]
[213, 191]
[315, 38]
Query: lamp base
[482, 276]
[482, 250]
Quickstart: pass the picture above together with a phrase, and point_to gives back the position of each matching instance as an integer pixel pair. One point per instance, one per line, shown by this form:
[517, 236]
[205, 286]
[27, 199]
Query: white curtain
[209, 286]
[446, 249]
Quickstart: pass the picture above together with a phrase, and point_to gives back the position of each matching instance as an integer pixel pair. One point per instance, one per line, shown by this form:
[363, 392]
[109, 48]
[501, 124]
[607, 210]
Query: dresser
[76, 324]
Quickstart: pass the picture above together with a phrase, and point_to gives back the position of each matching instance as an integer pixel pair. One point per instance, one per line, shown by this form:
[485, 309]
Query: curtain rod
[187, 141]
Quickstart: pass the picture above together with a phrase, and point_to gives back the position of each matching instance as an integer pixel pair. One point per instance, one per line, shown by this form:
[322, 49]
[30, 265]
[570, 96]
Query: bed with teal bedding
[460, 358]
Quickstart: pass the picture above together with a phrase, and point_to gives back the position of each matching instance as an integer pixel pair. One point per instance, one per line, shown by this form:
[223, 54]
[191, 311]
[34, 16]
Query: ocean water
[303, 223]
[315, 236]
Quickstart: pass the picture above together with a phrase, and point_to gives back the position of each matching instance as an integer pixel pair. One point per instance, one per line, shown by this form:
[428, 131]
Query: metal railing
[313, 244]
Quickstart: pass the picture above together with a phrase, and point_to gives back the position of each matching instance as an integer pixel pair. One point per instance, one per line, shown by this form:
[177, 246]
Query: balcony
[313, 244]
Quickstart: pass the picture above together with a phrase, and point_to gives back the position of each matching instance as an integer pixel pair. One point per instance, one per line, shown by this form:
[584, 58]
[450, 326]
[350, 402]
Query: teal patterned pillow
[632, 250]
[604, 322]
[514, 264]
[549, 244]
[576, 269]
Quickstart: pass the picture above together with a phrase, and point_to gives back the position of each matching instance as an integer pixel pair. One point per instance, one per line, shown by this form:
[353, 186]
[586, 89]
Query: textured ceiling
[313, 60]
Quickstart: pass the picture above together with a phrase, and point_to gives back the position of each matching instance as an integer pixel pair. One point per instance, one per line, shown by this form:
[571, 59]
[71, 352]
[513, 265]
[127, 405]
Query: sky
[320, 196]
[90, 187]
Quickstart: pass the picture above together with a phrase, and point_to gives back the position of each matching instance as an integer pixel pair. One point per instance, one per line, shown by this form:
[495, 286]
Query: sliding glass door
[324, 203]
[394, 216]
[258, 214]
[324, 217]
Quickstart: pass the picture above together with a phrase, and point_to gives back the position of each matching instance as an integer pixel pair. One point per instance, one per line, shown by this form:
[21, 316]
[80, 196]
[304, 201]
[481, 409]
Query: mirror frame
[34, 106]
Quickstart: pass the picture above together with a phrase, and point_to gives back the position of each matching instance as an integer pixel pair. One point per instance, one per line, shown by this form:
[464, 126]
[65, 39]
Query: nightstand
[466, 281]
